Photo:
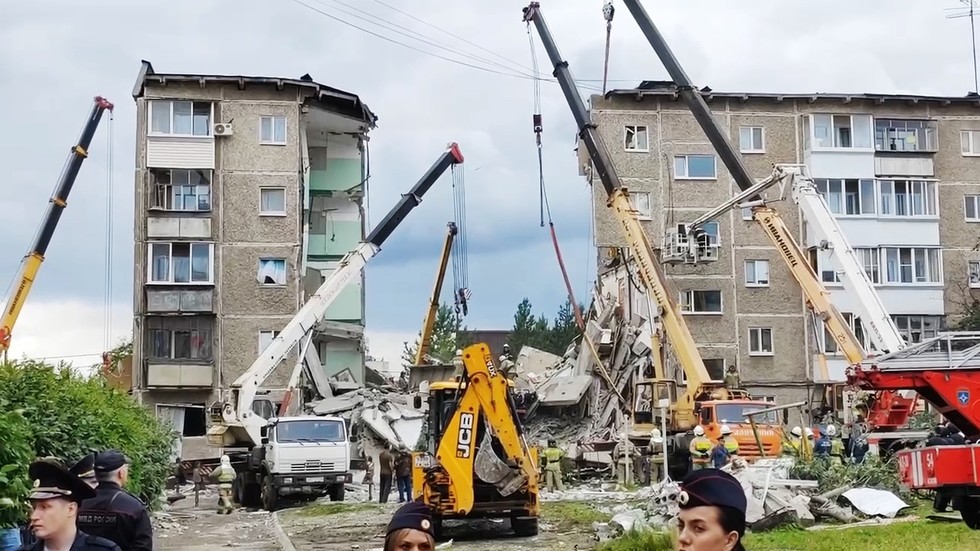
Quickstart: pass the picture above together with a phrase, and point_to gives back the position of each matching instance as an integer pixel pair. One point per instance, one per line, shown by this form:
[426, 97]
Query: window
[272, 201]
[695, 167]
[905, 135]
[265, 339]
[179, 337]
[181, 190]
[842, 131]
[868, 257]
[180, 262]
[747, 214]
[760, 341]
[854, 324]
[971, 208]
[272, 271]
[908, 197]
[272, 130]
[756, 273]
[180, 118]
[640, 201]
[970, 142]
[851, 196]
[912, 265]
[918, 328]
[635, 138]
[751, 139]
[973, 269]
[715, 368]
[701, 302]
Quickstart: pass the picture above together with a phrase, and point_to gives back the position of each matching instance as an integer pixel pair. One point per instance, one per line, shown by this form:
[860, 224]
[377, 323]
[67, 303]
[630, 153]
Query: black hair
[733, 520]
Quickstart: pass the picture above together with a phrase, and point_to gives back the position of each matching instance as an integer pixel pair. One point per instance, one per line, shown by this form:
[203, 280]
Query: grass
[639, 541]
[334, 508]
[920, 535]
[570, 515]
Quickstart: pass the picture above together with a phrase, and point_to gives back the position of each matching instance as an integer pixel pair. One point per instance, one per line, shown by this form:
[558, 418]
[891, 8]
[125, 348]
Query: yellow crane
[429, 321]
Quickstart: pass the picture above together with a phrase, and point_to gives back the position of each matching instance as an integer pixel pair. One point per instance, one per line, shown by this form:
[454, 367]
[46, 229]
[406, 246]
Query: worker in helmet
[552, 466]
[507, 365]
[731, 444]
[792, 448]
[458, 367]
[808, 444]
[657, 456]
[700, 449]
[623, 454]
[225, 474]
[836, 445]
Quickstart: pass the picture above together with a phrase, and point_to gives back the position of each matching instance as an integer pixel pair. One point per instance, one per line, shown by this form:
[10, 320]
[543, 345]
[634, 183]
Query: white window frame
[272, 212]
[761, 352]
[285, 272]
[869, 257]
[835, 192]
[926, 134]
[155, 104]
[637, 205]
[975, 200]
[912, 265]
[273, 119]
[686, 301]
[751, 139]
[970, 143]
[973, 273]
[686, 160]
[638, 129]
[755, 271]
[835, 138]
[747, 214]
[906, 326]
[271, 335]
[167, 193]
[170, 279]
[888, 197]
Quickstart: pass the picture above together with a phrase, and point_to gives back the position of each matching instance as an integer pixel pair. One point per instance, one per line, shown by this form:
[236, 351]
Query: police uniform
[114, 513]
[52, 481]
[714, 488]
[85, 469]
[414, 515]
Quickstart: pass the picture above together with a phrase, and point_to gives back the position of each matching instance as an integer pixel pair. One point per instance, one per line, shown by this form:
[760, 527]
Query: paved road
[203, 529]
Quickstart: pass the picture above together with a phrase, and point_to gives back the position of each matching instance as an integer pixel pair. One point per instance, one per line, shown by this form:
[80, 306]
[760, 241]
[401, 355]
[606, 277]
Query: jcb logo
[464, 438]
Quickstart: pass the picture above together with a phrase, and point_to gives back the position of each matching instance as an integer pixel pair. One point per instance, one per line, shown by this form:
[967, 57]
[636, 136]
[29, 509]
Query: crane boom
[429, 322]
[651, 273]
[59, 200]
[237, 415]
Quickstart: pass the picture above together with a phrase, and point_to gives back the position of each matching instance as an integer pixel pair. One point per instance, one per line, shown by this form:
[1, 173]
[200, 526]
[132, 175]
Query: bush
[15, 455]
[70, 414]
[872, 473]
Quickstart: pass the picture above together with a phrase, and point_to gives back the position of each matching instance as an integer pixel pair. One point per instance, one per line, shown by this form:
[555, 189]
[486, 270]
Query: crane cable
[608, 11]
[545, 207]
[459, 252]
[107, 305]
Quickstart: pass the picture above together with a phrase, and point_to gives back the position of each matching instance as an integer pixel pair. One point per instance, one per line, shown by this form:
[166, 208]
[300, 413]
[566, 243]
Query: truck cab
[715, 413]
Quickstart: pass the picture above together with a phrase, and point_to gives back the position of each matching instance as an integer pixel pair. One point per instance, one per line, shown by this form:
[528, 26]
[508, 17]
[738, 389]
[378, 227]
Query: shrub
[872, 473]
[15, 455]
[70, 414]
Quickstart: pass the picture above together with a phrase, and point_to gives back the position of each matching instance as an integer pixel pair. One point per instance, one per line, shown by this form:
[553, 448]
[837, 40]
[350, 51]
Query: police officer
[85, 469]
[55, 503]
[712, 512]
[114, 513]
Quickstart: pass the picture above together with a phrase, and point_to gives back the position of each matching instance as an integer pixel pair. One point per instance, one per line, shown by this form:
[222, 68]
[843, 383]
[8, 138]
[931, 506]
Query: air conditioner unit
[222, 129]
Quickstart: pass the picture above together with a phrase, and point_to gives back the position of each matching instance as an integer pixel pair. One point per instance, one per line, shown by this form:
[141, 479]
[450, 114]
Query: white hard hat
[809, 432]
[797, 431]
[698, 431]
[655, 433]
[831, 430]
[459, 351]
[725, 429]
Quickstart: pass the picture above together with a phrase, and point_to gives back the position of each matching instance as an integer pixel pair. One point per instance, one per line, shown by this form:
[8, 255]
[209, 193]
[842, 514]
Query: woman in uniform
[712, 516]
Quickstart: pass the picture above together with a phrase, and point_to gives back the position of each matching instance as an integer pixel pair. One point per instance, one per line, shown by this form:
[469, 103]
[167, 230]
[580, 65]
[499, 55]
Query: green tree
[524, 326]
[540, 332]
[564, 329]
[446, 337]
[15, 455]
[970, 320]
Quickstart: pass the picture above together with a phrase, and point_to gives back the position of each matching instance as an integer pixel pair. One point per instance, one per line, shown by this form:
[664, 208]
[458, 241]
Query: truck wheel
[251, 495]
[970, 511]
[270, 499]
[337, 492]
[524, 527]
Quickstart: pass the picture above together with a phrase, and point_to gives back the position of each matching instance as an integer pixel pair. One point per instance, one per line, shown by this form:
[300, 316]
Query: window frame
[751, 149]
[688, 297]
[170, 244]
[938, 264]
[285, 271]
[929, 198]
[264, 189]
[976, 207]
[168, 192]
[199, 324]
[835, 139]
[273, 119]
[687, 166]
[640, 214]
[756, 283]
[636, 130]
[275, 333]
[153, 105]
[761, 352]
[930, 133]
[973, 269]
[973, 142]
[837, 200]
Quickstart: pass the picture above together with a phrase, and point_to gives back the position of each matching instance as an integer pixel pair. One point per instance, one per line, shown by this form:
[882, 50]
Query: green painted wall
[340, 174]
[339, 360]
[347, 306]
[340, 239]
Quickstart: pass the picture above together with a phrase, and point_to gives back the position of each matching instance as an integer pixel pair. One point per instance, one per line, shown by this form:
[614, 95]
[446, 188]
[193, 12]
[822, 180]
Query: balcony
[178, 301]
[171, 374]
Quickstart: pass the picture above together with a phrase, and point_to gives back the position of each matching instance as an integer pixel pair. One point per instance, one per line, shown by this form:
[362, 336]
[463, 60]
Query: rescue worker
[719, 454]
[732, 381]
[552, 466]
[700, 449]
[712, 512]
[821, 448]
[657, 456]
[55, 501]
[858, 442]
[507, 365]
[458, 366]
[731, 444]
[410, 529]
[114, 513]
[387, 470]
[85, 469]
[225, 475]
[836, 445]
[623, 454]
[403, 475]
[807, 444]
[792, 448]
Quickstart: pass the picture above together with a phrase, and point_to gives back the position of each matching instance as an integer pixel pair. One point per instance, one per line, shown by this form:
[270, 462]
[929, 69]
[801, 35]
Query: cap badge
[37, 482]
[426, 524]
[683, 498]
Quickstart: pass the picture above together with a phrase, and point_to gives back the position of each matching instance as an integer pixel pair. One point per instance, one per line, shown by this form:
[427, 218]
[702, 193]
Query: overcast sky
[56, 55]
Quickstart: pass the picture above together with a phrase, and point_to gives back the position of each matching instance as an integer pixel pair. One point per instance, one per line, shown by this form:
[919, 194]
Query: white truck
[304, 457]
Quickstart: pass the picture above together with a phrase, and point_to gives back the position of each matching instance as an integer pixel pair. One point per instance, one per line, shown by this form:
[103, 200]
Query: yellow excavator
[477, 462]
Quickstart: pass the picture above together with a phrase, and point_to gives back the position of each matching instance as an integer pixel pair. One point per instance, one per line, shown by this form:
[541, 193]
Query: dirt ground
[191, 528]
[344, 526]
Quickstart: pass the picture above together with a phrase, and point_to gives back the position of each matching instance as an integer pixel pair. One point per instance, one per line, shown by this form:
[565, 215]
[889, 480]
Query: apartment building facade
[248, 192]
[901, 173]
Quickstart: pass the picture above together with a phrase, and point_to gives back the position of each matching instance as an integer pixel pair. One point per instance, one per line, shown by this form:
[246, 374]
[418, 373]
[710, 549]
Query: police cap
[85, 468]
[110, 460]
[711, 487]
[414, 515]
[53, 481]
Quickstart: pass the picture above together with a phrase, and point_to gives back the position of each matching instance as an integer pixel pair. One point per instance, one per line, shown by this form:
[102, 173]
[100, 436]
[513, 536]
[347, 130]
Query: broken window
[179, 337]
[180, 190]
[715, 368]
[701, 302]
[636, 138]
[905, 135]
[272, 271]
[760, 341]
[180, 262]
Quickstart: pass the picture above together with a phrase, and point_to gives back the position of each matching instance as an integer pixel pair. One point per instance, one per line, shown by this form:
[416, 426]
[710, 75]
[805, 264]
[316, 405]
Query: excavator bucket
[429, 373]
[492, 469]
